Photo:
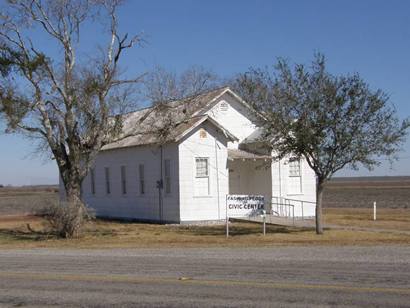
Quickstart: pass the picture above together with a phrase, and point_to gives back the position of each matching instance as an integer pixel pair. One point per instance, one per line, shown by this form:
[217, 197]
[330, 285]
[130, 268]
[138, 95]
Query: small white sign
[244, 205]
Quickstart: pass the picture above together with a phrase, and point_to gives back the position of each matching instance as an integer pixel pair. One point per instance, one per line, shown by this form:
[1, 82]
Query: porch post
[227, 218]
[264, 224]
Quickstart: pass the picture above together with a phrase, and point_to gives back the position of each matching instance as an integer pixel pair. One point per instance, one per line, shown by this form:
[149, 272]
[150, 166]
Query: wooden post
[227, 218]
[374, 210]
[264, 224]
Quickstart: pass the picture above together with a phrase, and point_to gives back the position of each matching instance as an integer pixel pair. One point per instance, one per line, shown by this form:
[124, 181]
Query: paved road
[260, 277]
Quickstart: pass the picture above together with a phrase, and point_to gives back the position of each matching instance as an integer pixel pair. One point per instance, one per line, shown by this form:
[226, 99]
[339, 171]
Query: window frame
[292, 169]
[167, 176]
[207, 167]
[92, 181]
[107, 180]
[207, 176]
[123, 172]
[141, 179]
[299, 175]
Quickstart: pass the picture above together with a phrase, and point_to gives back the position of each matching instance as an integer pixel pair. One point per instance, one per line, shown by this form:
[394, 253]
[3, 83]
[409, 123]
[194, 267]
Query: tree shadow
[239, 229]
[29, 235]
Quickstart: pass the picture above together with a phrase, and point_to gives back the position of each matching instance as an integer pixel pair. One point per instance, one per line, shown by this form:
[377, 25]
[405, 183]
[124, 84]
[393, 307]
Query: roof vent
[202, 133]
[223, 106]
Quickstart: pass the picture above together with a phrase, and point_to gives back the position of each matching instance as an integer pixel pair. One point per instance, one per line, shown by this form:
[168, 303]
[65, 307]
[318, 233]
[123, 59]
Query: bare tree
[331, 121]
[55, 97]
[173, 96]
[162, 86]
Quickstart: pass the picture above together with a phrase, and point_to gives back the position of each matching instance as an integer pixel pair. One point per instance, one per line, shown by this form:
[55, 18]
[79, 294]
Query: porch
[250, 174]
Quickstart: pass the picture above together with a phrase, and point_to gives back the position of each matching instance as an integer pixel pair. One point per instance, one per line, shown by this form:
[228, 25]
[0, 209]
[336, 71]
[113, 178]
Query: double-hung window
[295, 176]
[107, 180]
[123, 180]
[201, 176]
[294, 167]
[167, 176]
[92, 179]
[141, 175]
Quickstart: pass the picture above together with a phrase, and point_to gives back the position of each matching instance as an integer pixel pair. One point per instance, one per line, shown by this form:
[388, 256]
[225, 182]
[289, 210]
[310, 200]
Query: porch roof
[243, 155]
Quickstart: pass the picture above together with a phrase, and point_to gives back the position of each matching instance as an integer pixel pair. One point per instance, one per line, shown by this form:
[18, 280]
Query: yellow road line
[191, 281]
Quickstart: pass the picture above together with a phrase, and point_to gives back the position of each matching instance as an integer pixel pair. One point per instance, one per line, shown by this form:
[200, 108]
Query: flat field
[26, 200]
[348, 204]
[388, 192]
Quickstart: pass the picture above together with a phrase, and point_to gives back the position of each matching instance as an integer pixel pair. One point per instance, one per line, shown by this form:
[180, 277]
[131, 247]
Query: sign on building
[244, 205]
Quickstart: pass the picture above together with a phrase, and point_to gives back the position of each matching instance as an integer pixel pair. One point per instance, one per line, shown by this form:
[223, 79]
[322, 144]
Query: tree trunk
[75, 211]
[73, 193]
[319, 194]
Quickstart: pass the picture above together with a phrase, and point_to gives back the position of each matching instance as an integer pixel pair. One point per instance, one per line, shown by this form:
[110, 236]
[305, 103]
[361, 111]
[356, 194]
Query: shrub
[67, 219]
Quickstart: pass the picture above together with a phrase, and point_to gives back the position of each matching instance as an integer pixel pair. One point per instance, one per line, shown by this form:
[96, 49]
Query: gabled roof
[170, 121]
[191, 125]
[256, 136]
[233, 94]
[234, 154]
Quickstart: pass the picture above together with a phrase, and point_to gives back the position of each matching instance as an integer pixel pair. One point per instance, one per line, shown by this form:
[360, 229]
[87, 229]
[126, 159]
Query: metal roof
[167, 122]
[243, 155]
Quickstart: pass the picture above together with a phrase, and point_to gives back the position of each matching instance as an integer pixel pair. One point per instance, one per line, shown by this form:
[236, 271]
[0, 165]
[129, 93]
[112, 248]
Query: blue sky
[228, 36]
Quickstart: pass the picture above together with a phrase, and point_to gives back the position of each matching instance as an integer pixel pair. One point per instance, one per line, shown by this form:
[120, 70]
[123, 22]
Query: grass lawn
[15, 233]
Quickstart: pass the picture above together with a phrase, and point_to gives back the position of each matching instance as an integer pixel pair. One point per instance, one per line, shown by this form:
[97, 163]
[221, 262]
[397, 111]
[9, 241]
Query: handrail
[285, 204]
[311, 202]
[284, 212]
[283, 201]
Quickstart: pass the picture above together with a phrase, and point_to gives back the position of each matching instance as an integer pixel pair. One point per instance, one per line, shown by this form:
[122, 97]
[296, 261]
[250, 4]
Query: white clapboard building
[212, 151]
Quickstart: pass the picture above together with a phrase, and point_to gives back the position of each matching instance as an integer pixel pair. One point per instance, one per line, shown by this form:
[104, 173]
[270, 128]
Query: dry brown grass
[14, 233]
[387, 219]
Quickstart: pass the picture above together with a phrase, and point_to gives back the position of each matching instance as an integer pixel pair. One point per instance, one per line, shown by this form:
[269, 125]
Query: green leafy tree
[331, 121]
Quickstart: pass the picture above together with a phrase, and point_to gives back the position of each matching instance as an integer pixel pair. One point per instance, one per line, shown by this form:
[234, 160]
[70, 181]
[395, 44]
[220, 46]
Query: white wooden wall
[281, 185]
[236, 118]
[203, 207]
[134, 205]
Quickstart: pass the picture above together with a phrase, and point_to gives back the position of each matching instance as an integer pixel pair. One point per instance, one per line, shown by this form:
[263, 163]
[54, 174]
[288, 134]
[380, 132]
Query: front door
[234, 182]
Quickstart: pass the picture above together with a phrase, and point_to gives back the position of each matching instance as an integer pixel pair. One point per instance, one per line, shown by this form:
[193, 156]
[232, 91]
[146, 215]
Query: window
[201, 181]
[167, 164]
[107, 181]
[92, 177]
[294, 167]
[295, 177]
[141, 173]
[123, 180]
[201, 167]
